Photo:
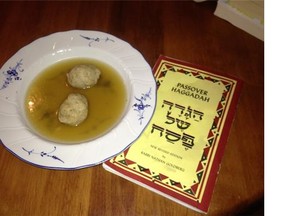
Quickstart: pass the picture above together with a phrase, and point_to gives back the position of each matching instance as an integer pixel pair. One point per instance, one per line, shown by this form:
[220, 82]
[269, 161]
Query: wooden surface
[184, 30]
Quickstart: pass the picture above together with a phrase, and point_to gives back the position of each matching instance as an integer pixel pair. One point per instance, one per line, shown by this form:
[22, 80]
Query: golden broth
[107, 100]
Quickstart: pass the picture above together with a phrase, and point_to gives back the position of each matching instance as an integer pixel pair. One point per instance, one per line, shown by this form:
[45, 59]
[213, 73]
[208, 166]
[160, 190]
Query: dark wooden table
[184, 30]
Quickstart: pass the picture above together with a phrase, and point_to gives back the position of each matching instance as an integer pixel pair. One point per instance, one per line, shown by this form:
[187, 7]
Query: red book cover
[179, 153]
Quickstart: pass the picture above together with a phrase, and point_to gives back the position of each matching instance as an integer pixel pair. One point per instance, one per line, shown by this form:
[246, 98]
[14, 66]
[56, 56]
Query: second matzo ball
[73, 110]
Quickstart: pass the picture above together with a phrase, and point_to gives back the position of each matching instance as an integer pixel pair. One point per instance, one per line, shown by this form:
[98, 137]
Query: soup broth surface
[107, 101]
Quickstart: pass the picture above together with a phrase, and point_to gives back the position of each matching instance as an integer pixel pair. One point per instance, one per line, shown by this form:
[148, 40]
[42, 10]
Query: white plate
[20, 69]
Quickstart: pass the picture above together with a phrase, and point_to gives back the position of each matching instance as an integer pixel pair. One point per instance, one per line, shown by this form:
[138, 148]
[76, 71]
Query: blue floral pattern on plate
[44, 154]
[96, 39]
[142, 104]
[12, 74]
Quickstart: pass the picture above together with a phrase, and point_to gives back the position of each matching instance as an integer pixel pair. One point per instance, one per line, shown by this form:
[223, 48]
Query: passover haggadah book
[179, 153]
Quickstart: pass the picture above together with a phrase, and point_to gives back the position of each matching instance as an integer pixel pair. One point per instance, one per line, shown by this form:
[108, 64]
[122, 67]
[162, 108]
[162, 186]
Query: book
[178, 155]
[247, 15]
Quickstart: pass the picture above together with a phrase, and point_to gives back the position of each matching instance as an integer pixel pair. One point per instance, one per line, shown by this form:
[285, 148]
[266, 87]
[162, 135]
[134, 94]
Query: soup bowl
[18, 135]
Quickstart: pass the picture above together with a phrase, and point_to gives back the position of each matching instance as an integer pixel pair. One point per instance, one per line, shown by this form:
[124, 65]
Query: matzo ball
[73, 110]
[83, 76]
